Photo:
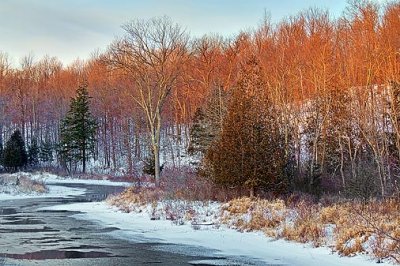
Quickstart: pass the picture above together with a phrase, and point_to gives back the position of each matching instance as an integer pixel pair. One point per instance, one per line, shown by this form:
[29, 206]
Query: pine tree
[33, 153]
[46, 152]
[67, 147]
[1, 153]
[78, 131]
[14, 155]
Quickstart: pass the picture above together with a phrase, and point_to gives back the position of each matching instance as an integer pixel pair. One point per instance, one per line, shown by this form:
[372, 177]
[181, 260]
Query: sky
[71, 29]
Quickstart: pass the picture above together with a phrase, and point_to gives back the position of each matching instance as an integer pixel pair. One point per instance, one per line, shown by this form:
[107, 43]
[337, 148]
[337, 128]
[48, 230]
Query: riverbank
[24, 185]
[208, 233]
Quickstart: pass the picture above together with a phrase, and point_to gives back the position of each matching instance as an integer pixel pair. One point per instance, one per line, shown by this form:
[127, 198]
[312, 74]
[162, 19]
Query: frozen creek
[32, 235]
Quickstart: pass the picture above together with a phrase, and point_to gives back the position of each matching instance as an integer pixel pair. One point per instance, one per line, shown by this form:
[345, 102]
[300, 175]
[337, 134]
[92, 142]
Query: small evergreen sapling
[14, 155]
[33, 154]
[46, 152]
[1, 153]
[148, 167]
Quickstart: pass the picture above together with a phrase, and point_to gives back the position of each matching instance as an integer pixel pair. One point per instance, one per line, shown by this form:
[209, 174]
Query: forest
[308, 104]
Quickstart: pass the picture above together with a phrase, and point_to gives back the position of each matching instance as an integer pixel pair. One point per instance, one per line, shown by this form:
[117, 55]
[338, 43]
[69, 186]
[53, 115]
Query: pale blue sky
[74, 28]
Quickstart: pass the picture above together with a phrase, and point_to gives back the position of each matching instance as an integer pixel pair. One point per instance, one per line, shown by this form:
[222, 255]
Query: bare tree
[5, 70]
[152, 53]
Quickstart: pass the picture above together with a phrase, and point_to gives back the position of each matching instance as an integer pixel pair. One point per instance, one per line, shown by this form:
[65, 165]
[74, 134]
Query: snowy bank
[138, 226]
[49, 178]
[48, 185]
[25, 185]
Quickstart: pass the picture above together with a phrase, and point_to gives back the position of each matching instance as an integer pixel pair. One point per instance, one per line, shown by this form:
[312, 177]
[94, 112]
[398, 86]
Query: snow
[54, 179]
[55, 186]
[138, 227]
[54, 192]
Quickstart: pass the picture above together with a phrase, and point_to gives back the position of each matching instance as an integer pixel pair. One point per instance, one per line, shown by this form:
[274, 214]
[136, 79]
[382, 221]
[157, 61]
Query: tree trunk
[84, 158]
[156, 148]
[127, 143]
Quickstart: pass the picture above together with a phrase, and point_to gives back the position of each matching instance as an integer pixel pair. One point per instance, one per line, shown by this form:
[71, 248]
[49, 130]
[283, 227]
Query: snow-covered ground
[139, 227]
[53, 192]
[48, 178]
[54, 185]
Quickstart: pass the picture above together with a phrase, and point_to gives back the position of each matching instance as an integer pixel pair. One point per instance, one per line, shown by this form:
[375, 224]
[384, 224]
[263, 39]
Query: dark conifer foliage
[201, 133]
[78, 131]
[148, 167]
[207, 123]
[1, 153]
[14, 155]
[250, 150]
[46, 152]
[33, 154]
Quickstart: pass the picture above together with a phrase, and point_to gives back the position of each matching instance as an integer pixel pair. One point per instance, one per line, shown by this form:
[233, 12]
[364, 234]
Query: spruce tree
[33, 153]
[14, 155]
[46, 152]
[1, 153]
[78, 130]
[68, 149]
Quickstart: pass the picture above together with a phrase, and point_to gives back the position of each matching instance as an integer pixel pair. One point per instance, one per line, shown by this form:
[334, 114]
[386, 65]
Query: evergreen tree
[33, 153]
[207, 123]
[148, 167]
[68, 149]
[46, 152]
[201, 133]
[249, 152]
[1, 153]
[14, 155]
[78, 131]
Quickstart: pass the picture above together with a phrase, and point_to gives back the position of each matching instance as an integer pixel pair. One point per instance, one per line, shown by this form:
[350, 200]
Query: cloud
[73, 28]
[68, 29]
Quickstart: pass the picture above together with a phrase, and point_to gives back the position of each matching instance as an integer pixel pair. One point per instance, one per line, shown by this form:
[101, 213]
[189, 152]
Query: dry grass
[21, 183]
[349, 228]
[26, 185]
[303, 226]
[153, 201]
[247, 214]
[132, 199]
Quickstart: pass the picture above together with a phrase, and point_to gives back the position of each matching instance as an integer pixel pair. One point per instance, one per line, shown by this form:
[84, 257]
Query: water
[29, 235]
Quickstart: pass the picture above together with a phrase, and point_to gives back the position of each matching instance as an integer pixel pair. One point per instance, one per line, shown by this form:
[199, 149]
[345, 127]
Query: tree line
[77, 139]
[308, 103]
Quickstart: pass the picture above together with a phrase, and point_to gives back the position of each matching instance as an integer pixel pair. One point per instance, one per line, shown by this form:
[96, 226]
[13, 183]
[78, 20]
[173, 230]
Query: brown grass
[23, 183]
[133, 198]
[372, 228]
[348, 227]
